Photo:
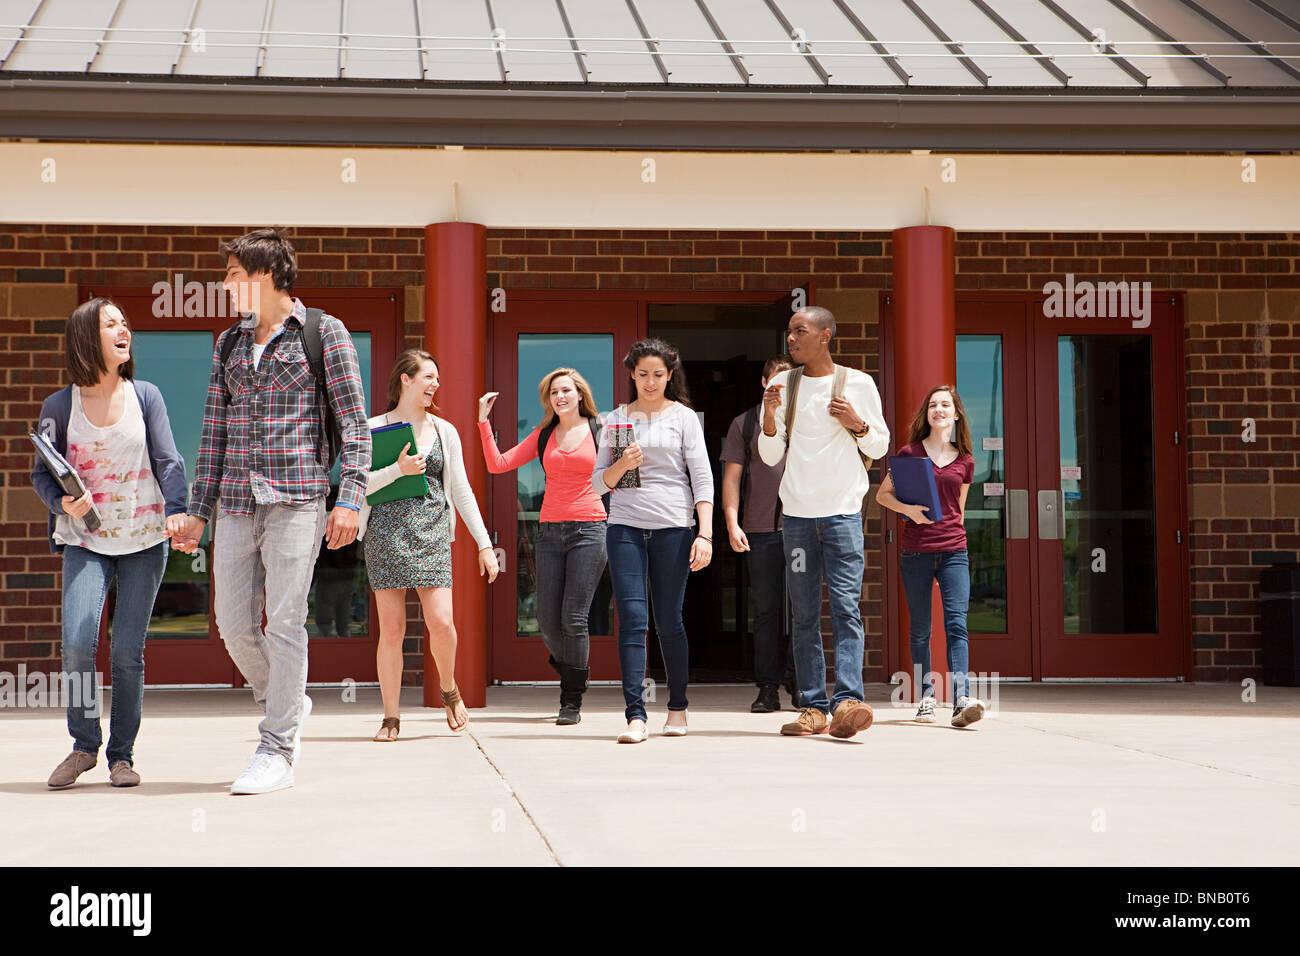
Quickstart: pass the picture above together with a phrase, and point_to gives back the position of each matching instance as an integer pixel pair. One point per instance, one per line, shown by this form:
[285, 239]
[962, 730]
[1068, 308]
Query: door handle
[1051, 515]
[1017, 512]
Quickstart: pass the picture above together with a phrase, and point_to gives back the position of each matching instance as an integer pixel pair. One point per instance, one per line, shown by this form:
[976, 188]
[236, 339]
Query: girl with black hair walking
[652, 543]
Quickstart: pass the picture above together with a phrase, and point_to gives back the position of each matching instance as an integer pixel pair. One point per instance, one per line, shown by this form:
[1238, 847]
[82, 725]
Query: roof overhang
[520, 116]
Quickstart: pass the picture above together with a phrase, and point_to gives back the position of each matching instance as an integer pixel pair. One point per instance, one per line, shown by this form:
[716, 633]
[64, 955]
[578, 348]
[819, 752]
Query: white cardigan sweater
[455, 483]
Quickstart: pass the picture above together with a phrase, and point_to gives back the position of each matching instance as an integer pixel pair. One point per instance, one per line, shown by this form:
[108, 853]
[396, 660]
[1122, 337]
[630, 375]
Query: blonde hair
[586, 400]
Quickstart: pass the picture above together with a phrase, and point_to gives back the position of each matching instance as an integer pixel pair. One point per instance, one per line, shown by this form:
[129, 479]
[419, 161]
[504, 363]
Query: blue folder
[914, 484]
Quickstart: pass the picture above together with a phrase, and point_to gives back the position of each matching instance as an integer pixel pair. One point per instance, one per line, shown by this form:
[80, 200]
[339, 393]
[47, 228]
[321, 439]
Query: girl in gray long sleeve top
[652, 543]
[676, 474]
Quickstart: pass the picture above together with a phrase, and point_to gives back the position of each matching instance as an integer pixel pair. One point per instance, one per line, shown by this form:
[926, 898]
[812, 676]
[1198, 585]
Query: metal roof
[584, 50]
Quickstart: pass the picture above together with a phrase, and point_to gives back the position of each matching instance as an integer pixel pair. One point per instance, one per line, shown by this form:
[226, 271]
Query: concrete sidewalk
[1173, 774]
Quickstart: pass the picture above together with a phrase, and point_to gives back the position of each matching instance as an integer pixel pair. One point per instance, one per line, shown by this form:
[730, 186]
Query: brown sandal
[390, 723]
[450, 698]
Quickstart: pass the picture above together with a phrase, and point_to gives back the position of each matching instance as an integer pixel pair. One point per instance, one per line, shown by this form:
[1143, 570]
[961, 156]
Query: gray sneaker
[925, 713]
[966, 711]
[73, 766]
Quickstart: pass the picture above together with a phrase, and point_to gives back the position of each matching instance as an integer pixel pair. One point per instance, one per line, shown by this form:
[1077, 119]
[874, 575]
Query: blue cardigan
[168, 465]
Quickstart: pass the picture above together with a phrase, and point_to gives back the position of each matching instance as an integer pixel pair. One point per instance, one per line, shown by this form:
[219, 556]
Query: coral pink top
[569, 495]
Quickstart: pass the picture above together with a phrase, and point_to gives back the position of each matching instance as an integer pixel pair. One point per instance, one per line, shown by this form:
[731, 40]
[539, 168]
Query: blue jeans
[919, 571]
[570, 561]
[86, 578]
[648, 568]
[829, 547]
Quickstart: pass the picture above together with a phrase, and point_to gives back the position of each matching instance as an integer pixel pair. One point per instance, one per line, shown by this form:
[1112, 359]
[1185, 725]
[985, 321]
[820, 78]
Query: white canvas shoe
[265, 774]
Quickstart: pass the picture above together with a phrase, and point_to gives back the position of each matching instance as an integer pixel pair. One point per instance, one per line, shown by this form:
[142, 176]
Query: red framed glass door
[537, 333]
[173, 350]
[1108, 509]
[1074, 520]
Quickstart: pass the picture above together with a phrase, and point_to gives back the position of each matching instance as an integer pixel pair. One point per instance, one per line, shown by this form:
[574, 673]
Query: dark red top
[948, 534]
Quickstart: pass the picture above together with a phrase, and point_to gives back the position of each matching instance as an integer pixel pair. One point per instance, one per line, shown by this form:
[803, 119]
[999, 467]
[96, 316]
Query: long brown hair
[85, 344]
[960, 432]
[586, 400]
[408, 363]
[675, 390]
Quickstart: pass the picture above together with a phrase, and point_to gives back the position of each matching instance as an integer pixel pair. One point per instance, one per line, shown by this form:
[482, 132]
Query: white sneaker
[967, 710]
[302, 723]
[925, 713]
[631, 736]
[265, 773]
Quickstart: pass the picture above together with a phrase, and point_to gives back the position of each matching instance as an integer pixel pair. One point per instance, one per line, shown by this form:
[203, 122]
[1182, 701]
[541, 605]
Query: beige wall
[220, 185]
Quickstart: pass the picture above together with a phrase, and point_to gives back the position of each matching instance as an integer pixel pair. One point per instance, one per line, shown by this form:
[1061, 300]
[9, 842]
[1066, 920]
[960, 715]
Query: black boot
[555, 665]
[573, 682]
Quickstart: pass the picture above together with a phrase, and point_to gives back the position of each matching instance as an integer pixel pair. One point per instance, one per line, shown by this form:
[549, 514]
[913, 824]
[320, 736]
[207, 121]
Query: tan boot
[850, 717]
[73, 766]
[810, 721]
[122, 774]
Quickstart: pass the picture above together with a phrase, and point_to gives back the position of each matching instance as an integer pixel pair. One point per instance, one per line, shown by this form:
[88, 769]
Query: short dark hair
[265, 250]
[85, 347]
[820, 317]
[777, 363]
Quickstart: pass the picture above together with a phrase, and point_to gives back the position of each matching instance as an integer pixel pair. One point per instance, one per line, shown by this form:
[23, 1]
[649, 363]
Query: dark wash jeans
[86, 579]
[570, 561]
[765, 562]
[919, 570]
[650, 565]
[829, 547]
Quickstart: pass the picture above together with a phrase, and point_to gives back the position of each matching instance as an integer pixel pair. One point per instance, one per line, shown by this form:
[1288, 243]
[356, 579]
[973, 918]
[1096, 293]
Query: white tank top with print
[114, 465]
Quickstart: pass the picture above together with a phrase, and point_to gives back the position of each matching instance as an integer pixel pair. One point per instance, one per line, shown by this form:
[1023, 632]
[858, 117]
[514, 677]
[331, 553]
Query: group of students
[285, 398]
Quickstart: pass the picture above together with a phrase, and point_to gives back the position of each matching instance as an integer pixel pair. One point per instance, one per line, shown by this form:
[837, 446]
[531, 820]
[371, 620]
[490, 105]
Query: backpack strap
[227, 347]
[314, 349]
[791, 393]
[543, 437]
[837, 391]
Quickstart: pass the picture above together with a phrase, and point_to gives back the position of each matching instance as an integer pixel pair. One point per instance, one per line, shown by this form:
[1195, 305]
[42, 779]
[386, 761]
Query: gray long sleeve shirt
[676, 473]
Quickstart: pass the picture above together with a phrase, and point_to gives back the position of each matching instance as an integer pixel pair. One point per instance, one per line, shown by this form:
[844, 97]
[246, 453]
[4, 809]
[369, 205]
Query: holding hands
[185, 532]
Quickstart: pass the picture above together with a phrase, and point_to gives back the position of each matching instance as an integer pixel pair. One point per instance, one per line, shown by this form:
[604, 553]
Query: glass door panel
[979, 379]
[1108, 485]
[539, 332]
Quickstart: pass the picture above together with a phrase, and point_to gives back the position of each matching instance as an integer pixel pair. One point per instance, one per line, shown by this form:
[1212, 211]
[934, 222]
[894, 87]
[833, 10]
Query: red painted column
[925, 355]
[455, 332]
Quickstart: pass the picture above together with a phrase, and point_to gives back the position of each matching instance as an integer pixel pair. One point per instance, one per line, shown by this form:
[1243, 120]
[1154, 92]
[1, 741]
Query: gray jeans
[265, 561]
[570, 561]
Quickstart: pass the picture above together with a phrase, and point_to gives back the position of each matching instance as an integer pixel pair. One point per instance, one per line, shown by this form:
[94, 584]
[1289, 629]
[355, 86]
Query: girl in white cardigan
[408, 541]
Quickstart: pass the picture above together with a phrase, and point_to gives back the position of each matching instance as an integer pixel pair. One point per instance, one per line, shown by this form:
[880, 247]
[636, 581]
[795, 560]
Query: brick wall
[1243, 316]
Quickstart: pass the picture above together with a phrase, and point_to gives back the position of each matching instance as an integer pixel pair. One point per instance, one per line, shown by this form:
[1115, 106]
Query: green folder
[386, 442]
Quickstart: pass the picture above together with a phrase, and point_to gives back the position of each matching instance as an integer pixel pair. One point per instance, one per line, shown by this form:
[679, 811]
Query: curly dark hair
[676, 389]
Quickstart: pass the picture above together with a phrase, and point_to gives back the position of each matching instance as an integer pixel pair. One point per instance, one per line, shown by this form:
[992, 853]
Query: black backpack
[311, 345]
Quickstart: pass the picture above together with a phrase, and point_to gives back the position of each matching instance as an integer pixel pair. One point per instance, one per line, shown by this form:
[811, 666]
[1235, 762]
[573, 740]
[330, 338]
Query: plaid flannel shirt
[264, 436]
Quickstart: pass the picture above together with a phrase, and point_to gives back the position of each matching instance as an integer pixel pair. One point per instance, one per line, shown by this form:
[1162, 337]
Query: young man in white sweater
[821, 497]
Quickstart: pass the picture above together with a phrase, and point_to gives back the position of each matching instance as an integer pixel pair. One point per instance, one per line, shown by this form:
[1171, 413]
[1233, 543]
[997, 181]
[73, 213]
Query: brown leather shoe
[850, 717]
[810, 721]
[73, 766]
[122, 774]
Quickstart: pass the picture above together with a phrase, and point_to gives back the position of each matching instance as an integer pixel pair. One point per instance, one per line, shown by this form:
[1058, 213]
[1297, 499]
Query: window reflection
[979, 379]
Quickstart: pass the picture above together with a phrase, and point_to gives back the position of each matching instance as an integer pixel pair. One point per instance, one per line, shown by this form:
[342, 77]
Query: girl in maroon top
[936, 550]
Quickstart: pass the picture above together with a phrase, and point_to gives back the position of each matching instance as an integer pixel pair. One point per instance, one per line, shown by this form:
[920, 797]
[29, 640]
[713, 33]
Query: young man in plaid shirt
[264, 459]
